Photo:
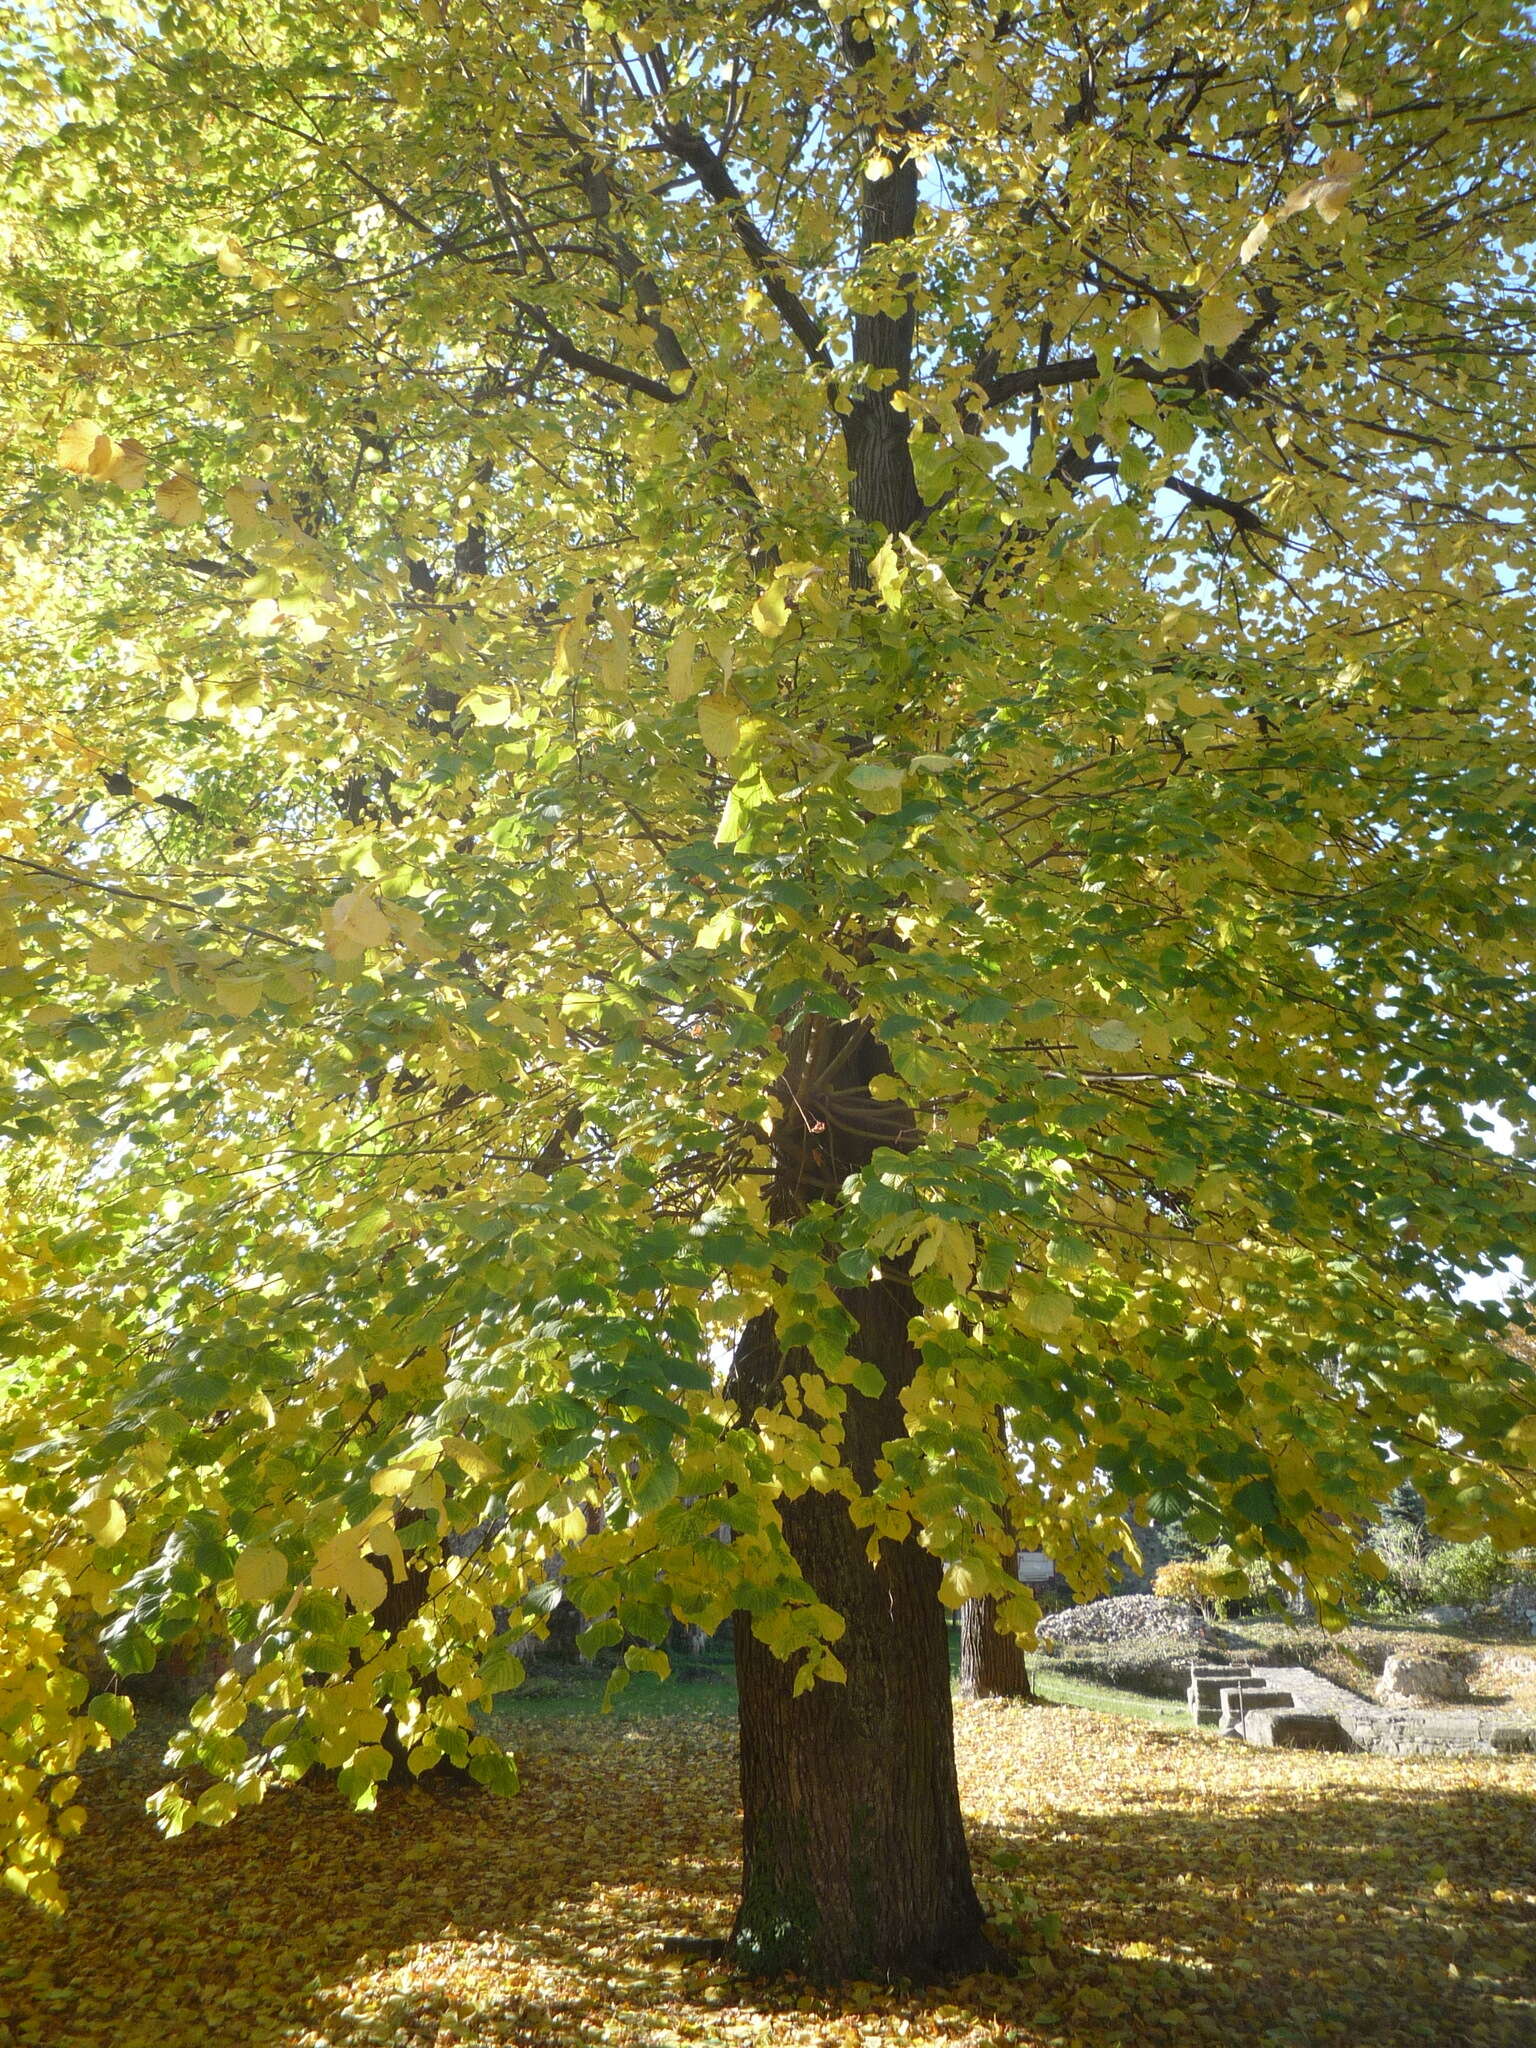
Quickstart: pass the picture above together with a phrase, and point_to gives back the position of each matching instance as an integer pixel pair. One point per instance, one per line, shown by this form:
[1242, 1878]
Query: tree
[992, 1664]
[851, 684]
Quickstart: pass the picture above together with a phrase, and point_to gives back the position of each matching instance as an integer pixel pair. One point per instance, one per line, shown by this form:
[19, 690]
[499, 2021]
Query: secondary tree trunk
[992, 1664]
[855, 1863]
[394, 1613]
[400, 1606]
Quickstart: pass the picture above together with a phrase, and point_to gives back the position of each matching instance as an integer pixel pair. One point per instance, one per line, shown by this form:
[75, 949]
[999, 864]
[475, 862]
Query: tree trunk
[855, 1863]
[992, 1664]
[401, 1604]
[395, 1612]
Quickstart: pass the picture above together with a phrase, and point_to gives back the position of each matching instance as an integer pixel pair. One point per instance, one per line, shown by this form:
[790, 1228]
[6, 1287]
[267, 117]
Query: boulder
[1444, 1617]
[1412, 1679]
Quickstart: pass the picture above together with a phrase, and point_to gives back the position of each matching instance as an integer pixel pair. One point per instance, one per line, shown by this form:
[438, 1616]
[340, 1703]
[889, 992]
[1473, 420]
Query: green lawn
[707, 1685]
[1104, 1699]
[699, 1685]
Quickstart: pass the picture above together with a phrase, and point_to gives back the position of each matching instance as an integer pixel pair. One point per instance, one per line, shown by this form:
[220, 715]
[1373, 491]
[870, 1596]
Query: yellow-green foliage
[577, 578]
[46, 1724]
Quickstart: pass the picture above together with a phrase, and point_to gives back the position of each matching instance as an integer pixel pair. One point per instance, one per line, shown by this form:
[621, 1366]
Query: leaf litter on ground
[1152, 1887]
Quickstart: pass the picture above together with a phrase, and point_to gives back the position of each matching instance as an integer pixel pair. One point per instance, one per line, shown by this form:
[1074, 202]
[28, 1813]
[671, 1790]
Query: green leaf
[110, 1710]
[878, 785]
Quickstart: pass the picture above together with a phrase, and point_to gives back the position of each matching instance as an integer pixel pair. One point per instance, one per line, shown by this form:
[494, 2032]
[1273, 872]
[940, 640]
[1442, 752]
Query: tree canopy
[663, 659]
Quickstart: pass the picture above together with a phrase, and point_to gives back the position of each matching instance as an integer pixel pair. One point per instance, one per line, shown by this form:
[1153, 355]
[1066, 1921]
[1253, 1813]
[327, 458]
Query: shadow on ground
[1204, 1892]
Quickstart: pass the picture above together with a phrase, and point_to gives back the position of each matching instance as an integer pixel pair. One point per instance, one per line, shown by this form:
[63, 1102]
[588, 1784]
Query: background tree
[847, 682]
[992, 1664]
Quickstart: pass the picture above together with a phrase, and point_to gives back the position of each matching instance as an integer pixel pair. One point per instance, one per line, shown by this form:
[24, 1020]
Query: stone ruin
[1289, 1707]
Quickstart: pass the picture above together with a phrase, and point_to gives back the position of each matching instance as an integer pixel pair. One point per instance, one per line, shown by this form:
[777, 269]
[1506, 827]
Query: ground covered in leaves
[1157, 1887]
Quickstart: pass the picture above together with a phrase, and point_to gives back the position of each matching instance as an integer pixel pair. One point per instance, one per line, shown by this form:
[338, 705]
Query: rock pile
[1133, 1618]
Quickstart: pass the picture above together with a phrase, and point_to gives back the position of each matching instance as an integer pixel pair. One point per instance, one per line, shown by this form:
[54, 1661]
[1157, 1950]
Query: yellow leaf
[471, 1458]
[572, 635]
[179, 500]
[1046, 1313]
[1181, 347]
[488, 707]
[770, 614]
[959, 1585]
[932, 576]
[238, 994]
[1222, 322]
[613, 653]
[948, 1246]
[1327, 193]
[878, 786]
[353, 923]
[341, 1566]
[1255, 239]
[261, 1572]
[716, 930]
[129, 467]
[719, 726]
[1145, 328]
[886, 573]
[385, 1543]
[1115, 1036]
[393, 1481]
[105, 1521]
[243, 506]
[78, 443]
[681, 683]
[408, 930]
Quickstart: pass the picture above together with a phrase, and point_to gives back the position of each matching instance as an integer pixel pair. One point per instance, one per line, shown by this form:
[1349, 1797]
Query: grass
[699, 1686]
[707, 1686]
[1063, 1691]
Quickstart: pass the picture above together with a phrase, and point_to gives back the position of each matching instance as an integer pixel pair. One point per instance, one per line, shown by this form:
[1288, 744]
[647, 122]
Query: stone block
[1205, 1685]
[1286, 1728]
[1238, 1701]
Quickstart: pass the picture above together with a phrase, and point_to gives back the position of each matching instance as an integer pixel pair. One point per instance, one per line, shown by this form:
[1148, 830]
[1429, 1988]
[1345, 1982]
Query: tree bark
[992, 1664]
[855, 1862]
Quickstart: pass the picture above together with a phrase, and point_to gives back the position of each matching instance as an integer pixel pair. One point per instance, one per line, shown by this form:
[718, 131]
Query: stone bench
[1205, 1684]
[1239, 1701]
